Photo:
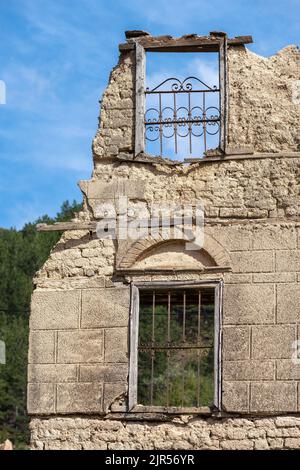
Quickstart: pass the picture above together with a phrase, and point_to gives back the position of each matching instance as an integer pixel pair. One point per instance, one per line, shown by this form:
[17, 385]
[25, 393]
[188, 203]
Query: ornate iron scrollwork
[177, 121]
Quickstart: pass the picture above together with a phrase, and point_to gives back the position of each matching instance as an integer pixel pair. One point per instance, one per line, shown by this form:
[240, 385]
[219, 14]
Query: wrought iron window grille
[196, 119]
[175, 347]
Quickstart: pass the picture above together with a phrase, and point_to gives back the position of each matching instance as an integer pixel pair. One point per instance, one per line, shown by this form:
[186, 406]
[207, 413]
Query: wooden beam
[223, 85]
[146, 158]
[205, 410]
[140, 79]
[133, 352]
[188, 43]
[63, 226]
[91, 226]
[240, 40]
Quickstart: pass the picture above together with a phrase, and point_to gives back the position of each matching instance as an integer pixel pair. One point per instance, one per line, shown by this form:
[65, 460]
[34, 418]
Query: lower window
[177, 346]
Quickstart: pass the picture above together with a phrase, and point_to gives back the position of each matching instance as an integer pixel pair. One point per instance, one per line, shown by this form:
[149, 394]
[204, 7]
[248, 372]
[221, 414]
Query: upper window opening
[176, 347]
[182, 109]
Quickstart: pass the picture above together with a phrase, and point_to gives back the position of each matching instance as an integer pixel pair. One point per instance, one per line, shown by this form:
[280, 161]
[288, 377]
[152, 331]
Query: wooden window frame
[219, 45]
[133, 405]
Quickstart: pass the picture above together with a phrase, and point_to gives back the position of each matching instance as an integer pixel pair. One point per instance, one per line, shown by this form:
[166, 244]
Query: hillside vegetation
[22, 253]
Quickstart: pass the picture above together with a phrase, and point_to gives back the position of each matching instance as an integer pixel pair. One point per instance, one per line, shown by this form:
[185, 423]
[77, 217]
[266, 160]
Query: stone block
[40, 398]
[133, 189]
[273, 397]
[261, 444]
[252, 261]
[105, 307]
[274, 278]
[275, 238]
[80, 398]
[114, 394]
[116, 345]
[248, 370]
[104, 373]
[235, 396]
[273, 342]
[287, 422]
[41, 347]
[230, 278]
[80, 346]
[288, 260]
[288, 303]
[249, 304]
[236, 343]
[52, 373]
[275, 443]
[55, 309]
[233, 212]
[237, 444]
[233, 238]
[292, 443]
[287, 370]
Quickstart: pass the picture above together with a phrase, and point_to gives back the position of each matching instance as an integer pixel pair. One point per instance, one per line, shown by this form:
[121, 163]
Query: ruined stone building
[140, 342]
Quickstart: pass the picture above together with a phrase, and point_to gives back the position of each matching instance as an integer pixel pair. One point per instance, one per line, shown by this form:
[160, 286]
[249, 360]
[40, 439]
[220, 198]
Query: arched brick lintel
[138, 248]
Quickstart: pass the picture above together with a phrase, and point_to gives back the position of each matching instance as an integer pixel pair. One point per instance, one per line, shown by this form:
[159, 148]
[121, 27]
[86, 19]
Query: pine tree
[22, 253]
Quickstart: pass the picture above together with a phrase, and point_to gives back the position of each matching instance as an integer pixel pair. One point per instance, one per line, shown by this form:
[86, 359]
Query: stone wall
[78, 358]
[227, 188]
[116, 125]
[79, 323]
[262, 113]
[79, 326]
[184, 432]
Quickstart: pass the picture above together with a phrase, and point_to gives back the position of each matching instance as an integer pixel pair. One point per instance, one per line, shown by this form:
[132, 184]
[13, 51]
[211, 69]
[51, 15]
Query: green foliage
[13, 420]
[22, 253]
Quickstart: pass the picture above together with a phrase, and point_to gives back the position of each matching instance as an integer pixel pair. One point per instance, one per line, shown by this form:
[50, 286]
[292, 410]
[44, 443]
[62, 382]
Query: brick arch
[137, 248]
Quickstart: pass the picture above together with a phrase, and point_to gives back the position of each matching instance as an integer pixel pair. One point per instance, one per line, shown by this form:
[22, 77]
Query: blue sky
[55, 58]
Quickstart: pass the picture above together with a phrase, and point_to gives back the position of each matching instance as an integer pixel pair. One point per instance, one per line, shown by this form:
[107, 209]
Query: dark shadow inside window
[176, 348]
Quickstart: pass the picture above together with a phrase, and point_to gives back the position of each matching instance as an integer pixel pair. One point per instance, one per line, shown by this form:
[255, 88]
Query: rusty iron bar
[168, 349]
[175, 123]
[204, 122]
[153, 350]
[198, 352]
[160, 126]
[183, 339]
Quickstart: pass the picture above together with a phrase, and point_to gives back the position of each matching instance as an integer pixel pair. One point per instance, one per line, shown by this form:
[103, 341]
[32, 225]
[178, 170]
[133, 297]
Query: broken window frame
[218, 44]
[133, 405]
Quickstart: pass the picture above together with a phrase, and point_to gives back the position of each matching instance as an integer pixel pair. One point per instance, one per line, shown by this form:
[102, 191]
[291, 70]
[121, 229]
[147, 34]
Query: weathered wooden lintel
[63, 226]
[232, 154]
[140, 102]
[143, 157]
[189, 43]
[92, 226]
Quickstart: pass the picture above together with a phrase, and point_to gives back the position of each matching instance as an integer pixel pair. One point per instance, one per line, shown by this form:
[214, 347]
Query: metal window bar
[196, 114]
[198, 352]
[153, 350]
[152, 347]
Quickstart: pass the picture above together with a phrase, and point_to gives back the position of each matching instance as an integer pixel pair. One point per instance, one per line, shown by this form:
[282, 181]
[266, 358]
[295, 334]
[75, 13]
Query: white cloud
[206, 70]
[25, 86]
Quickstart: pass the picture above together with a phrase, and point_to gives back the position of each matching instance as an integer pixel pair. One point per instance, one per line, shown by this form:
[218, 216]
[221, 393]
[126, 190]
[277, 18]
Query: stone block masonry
[77, 363]
[79, 351]
[183, 432]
